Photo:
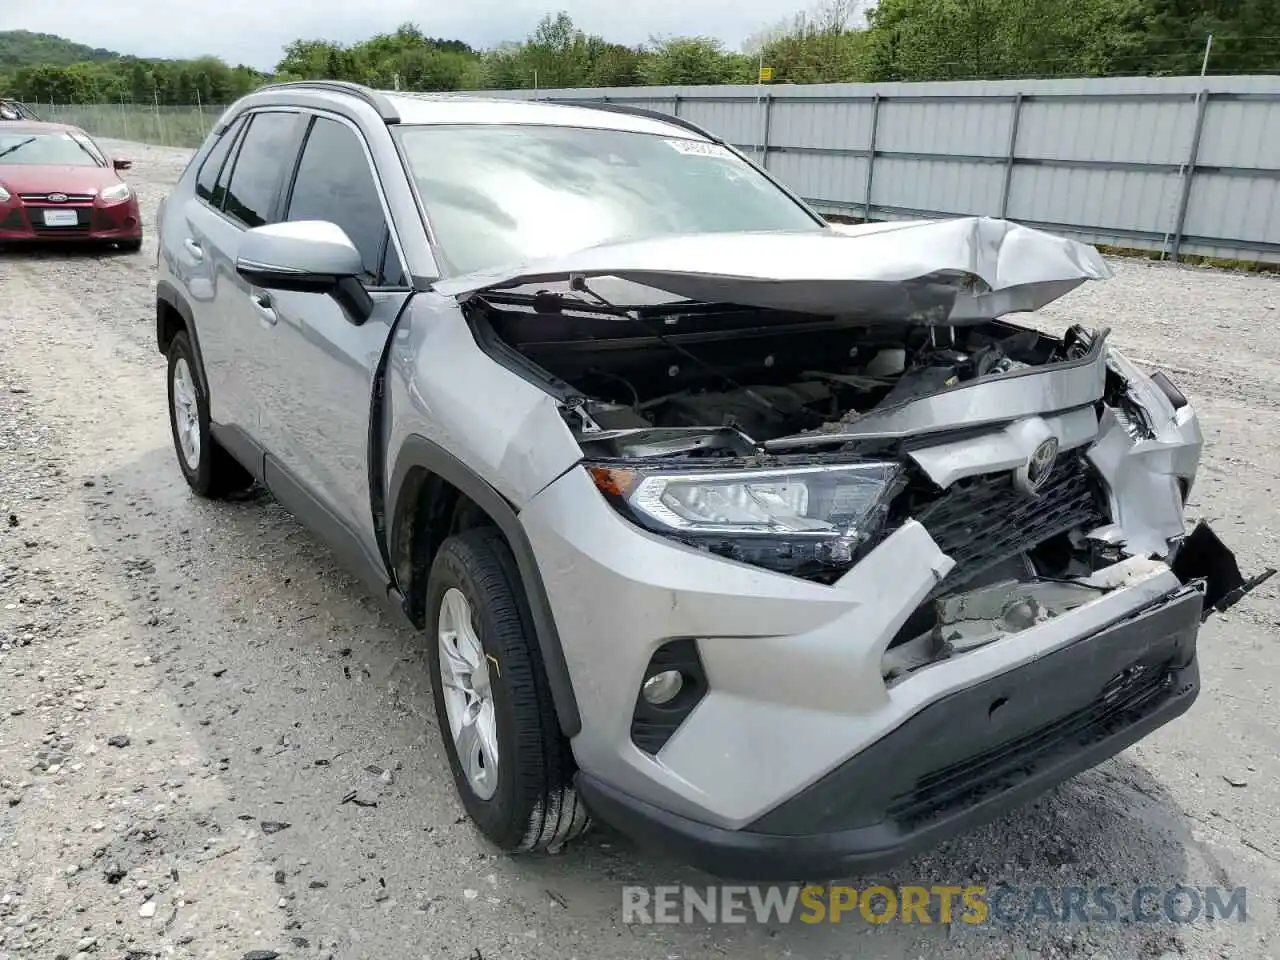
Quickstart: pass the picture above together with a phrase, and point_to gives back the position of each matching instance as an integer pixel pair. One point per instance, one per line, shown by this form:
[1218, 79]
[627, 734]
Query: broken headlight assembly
[808, 521]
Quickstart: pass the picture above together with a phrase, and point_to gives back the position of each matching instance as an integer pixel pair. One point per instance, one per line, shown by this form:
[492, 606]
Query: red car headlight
[116, 194]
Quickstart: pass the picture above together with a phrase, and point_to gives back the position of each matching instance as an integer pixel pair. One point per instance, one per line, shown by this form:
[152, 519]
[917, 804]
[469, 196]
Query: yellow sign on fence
[766, 74]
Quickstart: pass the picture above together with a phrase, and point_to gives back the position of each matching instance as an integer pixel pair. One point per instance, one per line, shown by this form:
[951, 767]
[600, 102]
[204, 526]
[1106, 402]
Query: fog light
[663, 687]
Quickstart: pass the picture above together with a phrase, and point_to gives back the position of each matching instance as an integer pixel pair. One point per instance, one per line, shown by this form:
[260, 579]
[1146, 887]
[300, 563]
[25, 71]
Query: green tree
[675, 61]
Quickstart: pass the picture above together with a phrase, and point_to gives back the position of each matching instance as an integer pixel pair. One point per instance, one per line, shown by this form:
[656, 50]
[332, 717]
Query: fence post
[1189, 172]
[155, 98]
[675, 105]
[1011, 156]
[768, 123]
[871, 155]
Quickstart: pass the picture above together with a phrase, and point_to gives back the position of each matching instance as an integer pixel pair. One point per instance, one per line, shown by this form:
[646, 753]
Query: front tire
[511, 764]
[209, 470]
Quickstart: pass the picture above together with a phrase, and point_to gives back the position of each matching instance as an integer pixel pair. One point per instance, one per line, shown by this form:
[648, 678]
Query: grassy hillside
[22, 48]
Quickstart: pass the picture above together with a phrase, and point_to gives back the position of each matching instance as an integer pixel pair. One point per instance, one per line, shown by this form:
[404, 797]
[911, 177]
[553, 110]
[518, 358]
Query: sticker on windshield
[698, 148]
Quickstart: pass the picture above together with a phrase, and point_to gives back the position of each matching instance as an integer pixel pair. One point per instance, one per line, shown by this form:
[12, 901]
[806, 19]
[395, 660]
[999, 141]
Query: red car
[56, 184]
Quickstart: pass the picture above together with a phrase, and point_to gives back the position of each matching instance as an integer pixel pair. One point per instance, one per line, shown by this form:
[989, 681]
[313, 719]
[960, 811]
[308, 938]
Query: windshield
[53, 149]
[498, 195]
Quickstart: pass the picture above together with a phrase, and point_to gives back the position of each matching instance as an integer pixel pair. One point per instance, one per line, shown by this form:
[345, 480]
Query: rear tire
[209, 470]
[531, 805]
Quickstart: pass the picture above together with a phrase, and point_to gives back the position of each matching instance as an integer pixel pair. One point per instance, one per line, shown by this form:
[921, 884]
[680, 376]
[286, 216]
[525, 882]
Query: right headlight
[806, 520]
[116, 193]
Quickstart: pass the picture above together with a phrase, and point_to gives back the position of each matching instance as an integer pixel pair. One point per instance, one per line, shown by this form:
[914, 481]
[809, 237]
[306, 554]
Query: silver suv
[770, 543]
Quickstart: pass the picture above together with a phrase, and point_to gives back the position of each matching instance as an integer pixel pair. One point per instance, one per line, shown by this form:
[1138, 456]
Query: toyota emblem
[1032, 476]
[57, 198]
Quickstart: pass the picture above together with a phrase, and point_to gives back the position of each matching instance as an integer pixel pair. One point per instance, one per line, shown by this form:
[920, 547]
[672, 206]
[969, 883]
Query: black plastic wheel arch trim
[419, 452]
[168, 295]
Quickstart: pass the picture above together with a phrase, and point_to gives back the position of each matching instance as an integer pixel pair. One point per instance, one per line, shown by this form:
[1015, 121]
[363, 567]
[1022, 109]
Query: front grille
[982, 521]
[44, 198]
[1127, 699]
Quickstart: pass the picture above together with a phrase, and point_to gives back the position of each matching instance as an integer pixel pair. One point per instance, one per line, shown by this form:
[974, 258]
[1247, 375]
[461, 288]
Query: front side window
[267, 150]
[208, 179]
[49, 149]
[335, 183]
[498, 195]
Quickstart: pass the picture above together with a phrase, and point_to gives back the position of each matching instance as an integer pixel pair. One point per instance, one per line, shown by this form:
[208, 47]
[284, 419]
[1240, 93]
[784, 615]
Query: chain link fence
[169, 126]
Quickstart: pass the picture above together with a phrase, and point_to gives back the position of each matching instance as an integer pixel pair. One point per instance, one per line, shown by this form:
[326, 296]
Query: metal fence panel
[965, 128]
[1249, 207]
[741, 122]
[823, 176]
[824, 125]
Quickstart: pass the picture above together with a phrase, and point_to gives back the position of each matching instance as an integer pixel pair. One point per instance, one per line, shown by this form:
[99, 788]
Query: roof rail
[370, 96]
[635, 112]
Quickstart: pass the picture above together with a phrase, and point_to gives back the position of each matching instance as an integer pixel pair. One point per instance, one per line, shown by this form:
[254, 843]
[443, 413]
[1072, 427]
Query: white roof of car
[418, 108]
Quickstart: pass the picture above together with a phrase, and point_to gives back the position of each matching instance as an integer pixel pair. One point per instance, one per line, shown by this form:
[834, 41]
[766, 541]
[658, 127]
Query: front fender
[418, 453]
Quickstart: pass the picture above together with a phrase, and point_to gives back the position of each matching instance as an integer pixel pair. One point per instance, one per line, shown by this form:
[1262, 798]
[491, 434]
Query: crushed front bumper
[799, 759]
[961, 761]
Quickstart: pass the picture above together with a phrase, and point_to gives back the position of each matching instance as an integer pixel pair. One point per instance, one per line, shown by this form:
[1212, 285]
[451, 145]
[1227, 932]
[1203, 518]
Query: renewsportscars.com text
[933, 903]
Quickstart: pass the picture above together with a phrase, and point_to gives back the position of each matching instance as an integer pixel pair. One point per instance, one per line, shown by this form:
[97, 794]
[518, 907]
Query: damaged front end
[789, 401]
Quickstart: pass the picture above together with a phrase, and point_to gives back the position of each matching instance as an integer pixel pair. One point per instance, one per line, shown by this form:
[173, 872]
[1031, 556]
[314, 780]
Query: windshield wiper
[97, 160]
[546, 301]
[17, 146]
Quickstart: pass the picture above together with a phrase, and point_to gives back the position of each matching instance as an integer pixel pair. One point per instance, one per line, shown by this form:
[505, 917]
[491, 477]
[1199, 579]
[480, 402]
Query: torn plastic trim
[986, 614]
[981, 616]
[1202, 556]
[1148, 472]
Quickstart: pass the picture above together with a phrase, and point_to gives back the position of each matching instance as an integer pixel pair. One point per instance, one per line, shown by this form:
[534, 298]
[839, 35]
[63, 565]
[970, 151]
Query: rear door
[196, 271]
[317, 367]
[246, 193]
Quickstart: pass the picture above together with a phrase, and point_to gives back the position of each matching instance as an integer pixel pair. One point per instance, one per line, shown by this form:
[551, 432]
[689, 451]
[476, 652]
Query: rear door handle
[194, 249]
[262, 303]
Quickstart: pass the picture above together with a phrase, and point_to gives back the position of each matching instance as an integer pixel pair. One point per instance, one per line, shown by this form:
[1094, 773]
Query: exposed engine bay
[758, 374]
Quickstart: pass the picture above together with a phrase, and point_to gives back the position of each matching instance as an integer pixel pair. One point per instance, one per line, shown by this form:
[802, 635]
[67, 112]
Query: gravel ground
[190, 691]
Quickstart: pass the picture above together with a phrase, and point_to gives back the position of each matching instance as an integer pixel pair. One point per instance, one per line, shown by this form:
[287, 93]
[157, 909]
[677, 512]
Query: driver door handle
[194, 249]
[262, 303]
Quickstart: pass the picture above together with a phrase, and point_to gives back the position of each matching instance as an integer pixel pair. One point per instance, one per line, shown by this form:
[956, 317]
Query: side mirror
[120, 163]
[306, 256]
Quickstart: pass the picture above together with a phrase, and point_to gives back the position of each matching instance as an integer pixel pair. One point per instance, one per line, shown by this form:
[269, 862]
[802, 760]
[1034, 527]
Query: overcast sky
[253, 31]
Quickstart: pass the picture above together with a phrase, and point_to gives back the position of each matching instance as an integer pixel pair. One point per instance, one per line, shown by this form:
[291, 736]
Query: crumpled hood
[945, 271]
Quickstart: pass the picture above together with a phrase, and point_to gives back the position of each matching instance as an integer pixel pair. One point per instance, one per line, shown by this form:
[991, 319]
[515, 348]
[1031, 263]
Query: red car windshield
[48, 149]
